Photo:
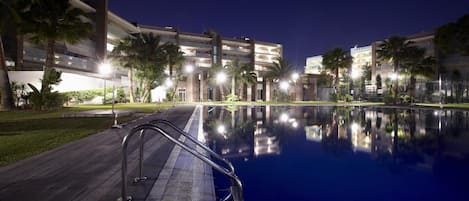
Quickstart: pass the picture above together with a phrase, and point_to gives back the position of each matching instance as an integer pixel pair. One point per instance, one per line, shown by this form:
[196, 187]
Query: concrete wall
[70, 81]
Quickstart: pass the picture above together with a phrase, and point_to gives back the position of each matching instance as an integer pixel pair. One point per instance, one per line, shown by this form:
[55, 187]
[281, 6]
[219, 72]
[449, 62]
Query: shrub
[232, 98]
[334, 97]
[347, 98]
[388, 99]
[45, 100]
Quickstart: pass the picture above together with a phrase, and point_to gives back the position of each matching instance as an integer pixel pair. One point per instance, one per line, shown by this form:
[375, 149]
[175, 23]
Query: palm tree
[213, 71]
[175, 59]
[394, 49]
[416, 64]
[236, 70]
[335, 60]
[280, 70]
[233, 69]
[6, 14]
[247, 76]
[150, 63]
[50, 21]
[125, 54]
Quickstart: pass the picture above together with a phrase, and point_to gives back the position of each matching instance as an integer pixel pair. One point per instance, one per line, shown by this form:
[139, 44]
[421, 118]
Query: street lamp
[220, 77]
[355, 74]
[188, 68]
[394, 76]
[295, 76]
[168, 82]
[284, 85]
[106, 69]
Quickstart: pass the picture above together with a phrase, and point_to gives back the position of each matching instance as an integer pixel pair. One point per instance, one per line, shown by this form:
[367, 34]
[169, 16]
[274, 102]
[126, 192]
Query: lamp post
[106, 69]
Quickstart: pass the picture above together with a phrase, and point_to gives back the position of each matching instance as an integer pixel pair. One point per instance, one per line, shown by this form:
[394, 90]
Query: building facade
[202, 51]
[81, 61]
[367, 57]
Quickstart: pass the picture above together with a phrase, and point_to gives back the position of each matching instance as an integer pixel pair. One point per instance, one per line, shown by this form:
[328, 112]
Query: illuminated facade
[80, 61]
[367, 56]
[314, 65]
[202, 51]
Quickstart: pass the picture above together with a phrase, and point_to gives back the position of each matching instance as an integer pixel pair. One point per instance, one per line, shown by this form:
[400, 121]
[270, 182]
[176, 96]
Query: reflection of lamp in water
[355, 127]
[294, 124]
[221, 129]
[284, 117]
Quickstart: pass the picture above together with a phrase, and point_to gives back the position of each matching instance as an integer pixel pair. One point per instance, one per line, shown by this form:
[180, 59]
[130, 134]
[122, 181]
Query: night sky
[304, 28]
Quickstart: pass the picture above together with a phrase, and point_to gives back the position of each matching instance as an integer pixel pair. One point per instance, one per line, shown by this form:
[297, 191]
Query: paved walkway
[184, 177]
[99, 113]
[89, 169]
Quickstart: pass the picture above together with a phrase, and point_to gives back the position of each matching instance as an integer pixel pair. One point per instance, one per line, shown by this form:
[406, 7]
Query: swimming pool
[343, 153]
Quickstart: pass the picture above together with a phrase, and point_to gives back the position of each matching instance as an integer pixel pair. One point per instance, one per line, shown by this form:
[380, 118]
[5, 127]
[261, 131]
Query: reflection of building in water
[263, 143]
[360, 139]
[313, 133]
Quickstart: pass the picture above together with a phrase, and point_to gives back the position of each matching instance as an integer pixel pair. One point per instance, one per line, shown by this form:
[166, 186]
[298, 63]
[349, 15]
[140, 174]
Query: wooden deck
[89, 169]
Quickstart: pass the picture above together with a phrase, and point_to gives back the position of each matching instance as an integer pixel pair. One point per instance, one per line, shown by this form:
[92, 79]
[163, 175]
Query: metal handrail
[236, 188]
[197, 142]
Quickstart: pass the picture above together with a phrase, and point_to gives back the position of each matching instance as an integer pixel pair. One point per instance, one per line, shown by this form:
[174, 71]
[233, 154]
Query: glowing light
[284, 85]
[355, 127]
[168, 82]
[394, 76]
[189, 68]
[284, 117]
[355, 74]
[221, 77]
[221, 129]
[105, 68]
[295, 76]
[294, 124]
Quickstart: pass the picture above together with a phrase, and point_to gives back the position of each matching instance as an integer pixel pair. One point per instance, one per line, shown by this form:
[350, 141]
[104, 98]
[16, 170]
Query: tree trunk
[412, 88]
[396, 81]
[6, 93]
[50, 54]
[241, 92]
[337, 82]
[452, 89]
[222, 93]
[146, 92]
[173, 95]
[131, 85]
[49, 62]
[19, 52]
[233, 83]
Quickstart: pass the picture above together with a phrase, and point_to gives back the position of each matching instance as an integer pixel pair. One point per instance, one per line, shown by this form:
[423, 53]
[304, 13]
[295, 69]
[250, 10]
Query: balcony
[62, 61]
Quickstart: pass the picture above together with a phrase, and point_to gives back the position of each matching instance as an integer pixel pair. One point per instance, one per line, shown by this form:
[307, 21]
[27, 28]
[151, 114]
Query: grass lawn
[27, 133]
[451, 105]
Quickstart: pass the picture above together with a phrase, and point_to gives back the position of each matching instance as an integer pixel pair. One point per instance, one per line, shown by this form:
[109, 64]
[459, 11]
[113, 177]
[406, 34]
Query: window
[182, 95]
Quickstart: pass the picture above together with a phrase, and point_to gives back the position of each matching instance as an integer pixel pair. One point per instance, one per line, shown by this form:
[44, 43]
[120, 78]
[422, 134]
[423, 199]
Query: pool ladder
[236, 188]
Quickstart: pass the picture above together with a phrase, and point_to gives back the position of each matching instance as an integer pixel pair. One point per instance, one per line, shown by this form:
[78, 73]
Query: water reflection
[412, 137]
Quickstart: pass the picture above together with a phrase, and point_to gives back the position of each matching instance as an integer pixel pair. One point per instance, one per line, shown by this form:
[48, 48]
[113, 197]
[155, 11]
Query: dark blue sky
[304, 28]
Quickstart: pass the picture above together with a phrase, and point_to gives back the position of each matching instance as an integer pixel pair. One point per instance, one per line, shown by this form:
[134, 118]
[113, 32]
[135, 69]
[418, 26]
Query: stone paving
[184, 177]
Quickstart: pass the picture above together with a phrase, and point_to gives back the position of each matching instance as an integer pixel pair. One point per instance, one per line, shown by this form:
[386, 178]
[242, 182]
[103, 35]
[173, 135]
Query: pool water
[342, 153]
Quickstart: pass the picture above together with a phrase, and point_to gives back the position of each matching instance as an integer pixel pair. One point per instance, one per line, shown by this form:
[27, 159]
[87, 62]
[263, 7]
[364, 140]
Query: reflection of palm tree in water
[332, 143]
